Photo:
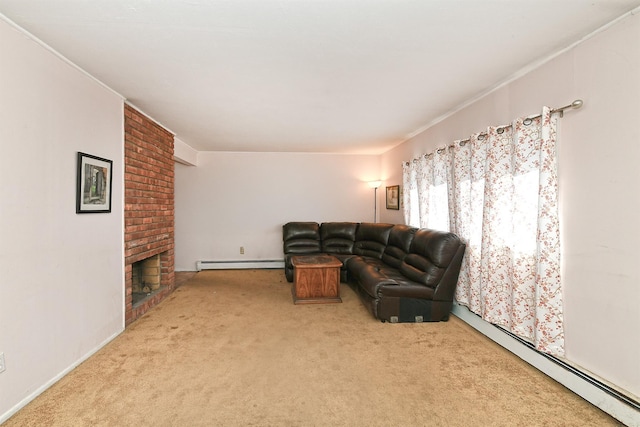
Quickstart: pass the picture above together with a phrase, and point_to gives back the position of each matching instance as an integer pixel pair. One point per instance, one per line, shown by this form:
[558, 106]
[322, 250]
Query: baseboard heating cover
[621, 407]
[239, 264]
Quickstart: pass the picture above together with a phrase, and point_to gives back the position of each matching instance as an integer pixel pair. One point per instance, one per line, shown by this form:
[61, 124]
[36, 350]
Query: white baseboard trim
[238, 265]
[4, 417]
[582, 387]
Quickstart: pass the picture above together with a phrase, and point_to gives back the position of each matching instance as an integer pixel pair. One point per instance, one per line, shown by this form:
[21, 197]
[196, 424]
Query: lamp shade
[374, 184]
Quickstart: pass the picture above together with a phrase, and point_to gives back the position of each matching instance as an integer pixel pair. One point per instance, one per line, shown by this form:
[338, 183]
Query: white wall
[61, 274]
[243, 199]
[599, 188]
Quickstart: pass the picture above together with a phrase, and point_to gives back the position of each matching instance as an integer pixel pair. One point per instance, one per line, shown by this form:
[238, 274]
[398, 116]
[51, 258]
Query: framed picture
[393, 197]
[93, 190]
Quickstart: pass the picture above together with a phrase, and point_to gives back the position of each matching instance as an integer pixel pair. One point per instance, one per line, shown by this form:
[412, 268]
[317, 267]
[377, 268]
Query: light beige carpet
[229, 348]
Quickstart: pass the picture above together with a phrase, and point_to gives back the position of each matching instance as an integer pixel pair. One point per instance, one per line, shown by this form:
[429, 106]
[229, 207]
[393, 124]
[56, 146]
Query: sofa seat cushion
[373, 281]
[360, 266]
[393, 273]
[385, 282]
[377, 279]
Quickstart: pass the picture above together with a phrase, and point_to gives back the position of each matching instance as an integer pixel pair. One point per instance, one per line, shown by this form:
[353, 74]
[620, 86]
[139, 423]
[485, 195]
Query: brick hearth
[149, 204]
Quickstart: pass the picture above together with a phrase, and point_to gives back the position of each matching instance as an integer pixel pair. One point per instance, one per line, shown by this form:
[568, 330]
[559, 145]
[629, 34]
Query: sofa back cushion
[338, 237]
[430, 253]
[371, 239]
[301, 237]
[399, 244]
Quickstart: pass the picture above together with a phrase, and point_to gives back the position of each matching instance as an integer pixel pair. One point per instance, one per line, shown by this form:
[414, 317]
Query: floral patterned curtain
[500, 189]
[427, 183]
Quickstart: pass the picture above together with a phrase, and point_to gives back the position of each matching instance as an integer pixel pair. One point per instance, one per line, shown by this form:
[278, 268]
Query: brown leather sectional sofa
[402, 274]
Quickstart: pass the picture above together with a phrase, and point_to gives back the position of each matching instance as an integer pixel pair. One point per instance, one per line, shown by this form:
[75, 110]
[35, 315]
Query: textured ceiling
[305, 76]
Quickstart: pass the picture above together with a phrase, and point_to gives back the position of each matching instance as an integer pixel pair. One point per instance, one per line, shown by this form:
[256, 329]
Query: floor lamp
[375, 185]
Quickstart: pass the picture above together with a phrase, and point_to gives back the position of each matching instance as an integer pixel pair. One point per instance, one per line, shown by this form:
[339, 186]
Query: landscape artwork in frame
[93, 193]
[393, 197]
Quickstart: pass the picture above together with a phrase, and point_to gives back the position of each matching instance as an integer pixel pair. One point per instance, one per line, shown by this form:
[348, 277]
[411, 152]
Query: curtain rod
[574, 105]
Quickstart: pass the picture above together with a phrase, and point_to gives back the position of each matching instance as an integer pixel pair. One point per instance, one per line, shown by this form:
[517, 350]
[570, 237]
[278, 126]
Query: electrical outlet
[2, 365]
[241, 250]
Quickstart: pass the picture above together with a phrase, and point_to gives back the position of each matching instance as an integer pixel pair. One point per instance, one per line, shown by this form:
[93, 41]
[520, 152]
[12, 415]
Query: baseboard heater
[618, 405]
[239, 264]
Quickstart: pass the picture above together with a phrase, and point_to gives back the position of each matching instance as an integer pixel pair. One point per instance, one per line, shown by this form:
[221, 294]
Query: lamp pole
[375, 204]
[375, 185]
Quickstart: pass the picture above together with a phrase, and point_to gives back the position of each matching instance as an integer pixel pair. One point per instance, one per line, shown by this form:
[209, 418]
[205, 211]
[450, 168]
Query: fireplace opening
[145, 279]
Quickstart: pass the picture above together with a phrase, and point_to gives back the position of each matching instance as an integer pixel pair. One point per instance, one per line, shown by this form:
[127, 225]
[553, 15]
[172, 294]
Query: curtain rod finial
[577, 103]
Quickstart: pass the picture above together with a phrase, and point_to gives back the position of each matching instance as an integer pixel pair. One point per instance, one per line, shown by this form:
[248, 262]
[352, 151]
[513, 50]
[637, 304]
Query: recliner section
[401, 273]
[338, 239]
[300, 238]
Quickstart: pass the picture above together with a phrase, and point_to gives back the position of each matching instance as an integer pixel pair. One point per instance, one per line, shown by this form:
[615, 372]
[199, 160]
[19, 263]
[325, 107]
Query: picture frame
[393, 197]
[93, 186]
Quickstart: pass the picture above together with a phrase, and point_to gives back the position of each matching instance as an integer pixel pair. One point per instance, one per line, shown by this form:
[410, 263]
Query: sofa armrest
[447, 287]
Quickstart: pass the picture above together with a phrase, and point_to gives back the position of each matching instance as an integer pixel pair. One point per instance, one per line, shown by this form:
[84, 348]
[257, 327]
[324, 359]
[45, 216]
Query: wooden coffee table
[316, 279]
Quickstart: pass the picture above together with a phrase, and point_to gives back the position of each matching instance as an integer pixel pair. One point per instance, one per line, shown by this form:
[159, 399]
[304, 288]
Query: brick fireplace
[148, 213]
